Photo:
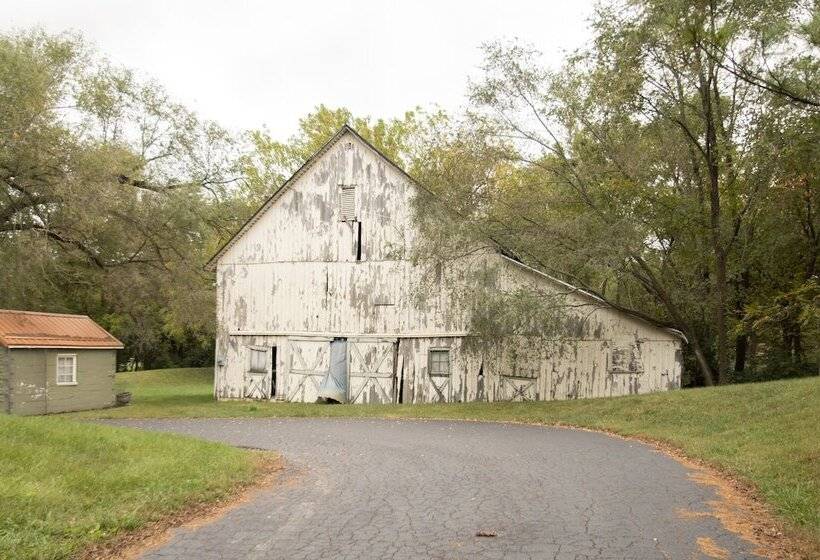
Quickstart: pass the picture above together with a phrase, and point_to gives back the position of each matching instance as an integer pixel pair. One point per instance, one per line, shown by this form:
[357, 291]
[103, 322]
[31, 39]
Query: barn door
[519, 371]
[372, 372]
[256, 386]
[512, 388]
[257, 374]
[309, 363]
[334, 385]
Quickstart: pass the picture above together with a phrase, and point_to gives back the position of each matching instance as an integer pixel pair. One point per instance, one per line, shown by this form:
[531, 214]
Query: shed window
[347, 203]
[66, 369]
[440, 363]
[259, 361]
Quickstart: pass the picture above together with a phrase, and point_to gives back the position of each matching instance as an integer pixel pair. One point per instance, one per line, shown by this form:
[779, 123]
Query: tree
[268, 163]
[108, 192]
[638, 170]
[113, 196]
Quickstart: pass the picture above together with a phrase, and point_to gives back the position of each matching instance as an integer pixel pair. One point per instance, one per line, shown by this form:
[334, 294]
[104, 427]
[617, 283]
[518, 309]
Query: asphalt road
[362, 489]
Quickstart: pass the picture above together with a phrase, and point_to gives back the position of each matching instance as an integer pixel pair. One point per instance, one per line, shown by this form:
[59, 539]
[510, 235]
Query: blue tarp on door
[334, 385]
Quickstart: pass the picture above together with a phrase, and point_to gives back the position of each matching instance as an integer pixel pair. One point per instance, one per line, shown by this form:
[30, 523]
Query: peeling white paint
[293, 281]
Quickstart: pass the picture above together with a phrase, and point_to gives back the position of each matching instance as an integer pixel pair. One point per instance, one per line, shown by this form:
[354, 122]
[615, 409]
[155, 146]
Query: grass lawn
[767, 433]
[66, 485]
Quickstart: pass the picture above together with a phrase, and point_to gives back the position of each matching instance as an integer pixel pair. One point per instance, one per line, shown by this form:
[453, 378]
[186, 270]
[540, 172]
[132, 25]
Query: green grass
[67, 485]
[766, 433]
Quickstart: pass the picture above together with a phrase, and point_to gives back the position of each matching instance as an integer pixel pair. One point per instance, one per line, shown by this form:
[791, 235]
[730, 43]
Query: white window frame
[73, 369]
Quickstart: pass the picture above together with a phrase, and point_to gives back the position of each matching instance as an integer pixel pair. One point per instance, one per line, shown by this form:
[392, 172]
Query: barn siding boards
[296, 277]
[33, 386]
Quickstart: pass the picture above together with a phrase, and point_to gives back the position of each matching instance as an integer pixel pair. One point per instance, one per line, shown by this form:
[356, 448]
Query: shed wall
[4, 380]
[34, 389]
[28, 373]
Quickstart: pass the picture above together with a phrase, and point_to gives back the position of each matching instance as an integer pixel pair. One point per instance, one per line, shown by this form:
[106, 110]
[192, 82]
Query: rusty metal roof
[33, 329]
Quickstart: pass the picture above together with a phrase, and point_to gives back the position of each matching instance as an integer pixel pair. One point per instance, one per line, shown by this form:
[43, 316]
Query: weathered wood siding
[32, 381]
[535, 370]
[293, 280]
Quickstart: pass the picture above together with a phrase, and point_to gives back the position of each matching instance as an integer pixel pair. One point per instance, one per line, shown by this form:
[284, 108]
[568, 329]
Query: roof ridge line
[49, 313]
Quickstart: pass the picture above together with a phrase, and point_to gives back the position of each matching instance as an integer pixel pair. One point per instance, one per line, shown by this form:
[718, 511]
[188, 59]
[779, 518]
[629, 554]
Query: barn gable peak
[344, 131]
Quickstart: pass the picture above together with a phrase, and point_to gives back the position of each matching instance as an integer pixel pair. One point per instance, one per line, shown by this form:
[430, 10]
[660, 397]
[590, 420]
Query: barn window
[439, 363]
[66, 369]
[625, 359]
[258, 361]
[347, 203]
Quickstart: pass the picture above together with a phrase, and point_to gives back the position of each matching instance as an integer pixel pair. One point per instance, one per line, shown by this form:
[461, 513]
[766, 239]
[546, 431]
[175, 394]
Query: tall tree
[267, 162]
[638, 169]
[108, 191]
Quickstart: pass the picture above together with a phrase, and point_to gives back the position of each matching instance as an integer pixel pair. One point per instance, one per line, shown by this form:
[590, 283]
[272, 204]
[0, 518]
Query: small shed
[52, 362]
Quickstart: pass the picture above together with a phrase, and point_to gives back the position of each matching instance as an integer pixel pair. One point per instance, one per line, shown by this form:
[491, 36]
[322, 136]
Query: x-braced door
[309, 363]
[372, 371]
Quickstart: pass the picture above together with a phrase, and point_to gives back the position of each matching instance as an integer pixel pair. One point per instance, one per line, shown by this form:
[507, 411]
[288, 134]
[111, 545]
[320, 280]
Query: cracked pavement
[399, 489]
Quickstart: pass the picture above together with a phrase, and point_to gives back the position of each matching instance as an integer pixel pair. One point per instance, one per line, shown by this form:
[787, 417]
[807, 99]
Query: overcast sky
[247, 64]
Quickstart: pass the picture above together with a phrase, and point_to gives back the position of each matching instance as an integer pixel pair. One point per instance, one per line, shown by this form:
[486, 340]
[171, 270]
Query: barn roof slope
[33, 329]
[503, 251]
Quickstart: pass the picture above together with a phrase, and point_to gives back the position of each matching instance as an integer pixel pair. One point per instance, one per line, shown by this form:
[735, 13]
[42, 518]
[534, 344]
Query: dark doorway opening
[273, 372]
[359, 243]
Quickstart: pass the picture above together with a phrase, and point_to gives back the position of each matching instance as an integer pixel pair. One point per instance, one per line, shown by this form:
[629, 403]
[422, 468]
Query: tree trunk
[793, 340]
[742, 340]
[721, 336]
[643, 272]
[711, 153]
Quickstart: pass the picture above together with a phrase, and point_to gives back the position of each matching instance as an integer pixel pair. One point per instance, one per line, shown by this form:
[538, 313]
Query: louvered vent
[347, 203]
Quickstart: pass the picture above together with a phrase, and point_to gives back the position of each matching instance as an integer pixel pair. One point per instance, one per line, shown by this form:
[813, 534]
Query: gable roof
[589, 294]
[503, 251]
[33, 329]
[345, 129]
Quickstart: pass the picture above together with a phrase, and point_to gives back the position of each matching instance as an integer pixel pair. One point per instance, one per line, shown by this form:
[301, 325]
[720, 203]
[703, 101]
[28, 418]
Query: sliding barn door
[309, 364]
[372, 370]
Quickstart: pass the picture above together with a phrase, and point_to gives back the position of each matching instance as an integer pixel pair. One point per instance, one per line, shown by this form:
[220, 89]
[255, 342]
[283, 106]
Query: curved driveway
[362, 489]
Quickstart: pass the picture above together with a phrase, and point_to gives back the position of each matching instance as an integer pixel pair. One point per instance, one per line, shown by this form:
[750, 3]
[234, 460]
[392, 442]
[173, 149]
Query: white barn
[319, 281]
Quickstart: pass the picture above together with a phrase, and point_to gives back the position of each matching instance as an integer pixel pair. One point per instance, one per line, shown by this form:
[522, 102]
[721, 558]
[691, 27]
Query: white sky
[246, 64]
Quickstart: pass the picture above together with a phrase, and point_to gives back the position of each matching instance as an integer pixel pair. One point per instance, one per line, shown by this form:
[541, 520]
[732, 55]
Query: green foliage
[757, 431]
[67, 485]
[268, 163]
[109, 194]
[670, 166]
[113, 196]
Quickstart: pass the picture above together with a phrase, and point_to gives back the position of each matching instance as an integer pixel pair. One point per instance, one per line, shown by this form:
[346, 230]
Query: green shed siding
[27, 376]
[34, 388]
[4, 385]
[95, 381]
